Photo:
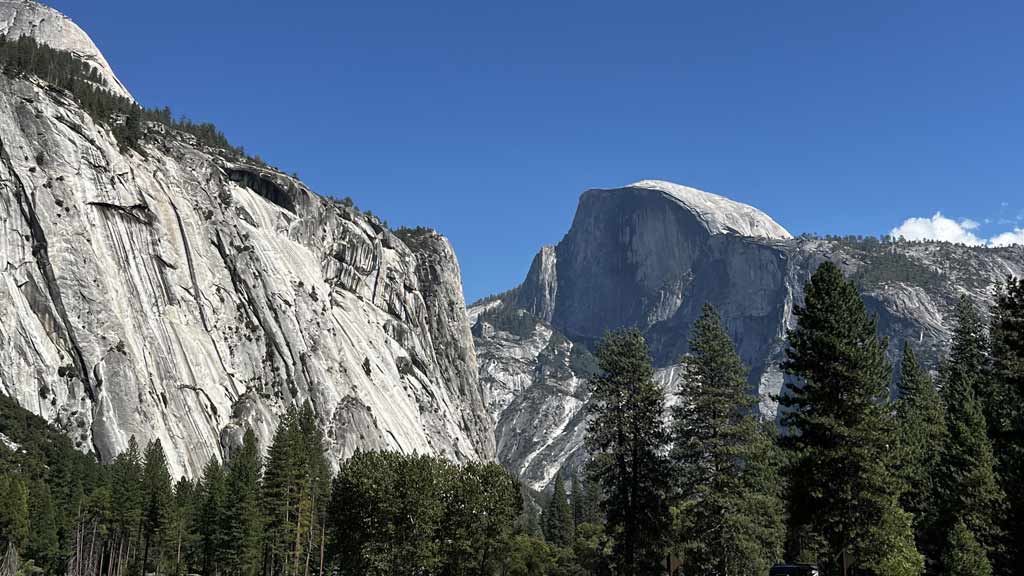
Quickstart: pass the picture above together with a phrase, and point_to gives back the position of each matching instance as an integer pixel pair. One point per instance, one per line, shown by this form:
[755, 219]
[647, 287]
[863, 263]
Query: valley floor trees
[726, 465]
[924, 477]
[627, 439]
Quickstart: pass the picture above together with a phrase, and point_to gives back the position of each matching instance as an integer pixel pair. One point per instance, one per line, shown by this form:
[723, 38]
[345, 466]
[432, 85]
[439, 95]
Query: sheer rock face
[48, 26]
[650, 255]
[171, 294]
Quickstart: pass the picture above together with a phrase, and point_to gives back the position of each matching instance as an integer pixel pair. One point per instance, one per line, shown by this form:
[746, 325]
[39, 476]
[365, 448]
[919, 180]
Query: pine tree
[558, 520]
[42, 545]
[157, 497]
[296, 493]
[840, 431]
[277, 495]
[964, 556]
[967, 489]
[627, 440]
[724, 460]
[14, 519]
[184, 527]
[920, 414]
[577, 500]
[244, 521]
[126, 505]
[1006, 415]
[316, 478]
[211, 514]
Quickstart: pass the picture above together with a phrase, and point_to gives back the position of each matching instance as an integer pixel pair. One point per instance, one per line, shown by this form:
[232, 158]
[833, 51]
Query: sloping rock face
[171, 294]
[48, 26]
[650, 255]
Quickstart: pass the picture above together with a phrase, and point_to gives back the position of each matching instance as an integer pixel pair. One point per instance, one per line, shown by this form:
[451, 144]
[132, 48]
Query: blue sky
[486, 120]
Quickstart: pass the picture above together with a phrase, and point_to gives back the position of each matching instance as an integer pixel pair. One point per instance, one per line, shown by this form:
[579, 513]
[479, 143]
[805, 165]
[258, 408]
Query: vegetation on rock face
[126, 118]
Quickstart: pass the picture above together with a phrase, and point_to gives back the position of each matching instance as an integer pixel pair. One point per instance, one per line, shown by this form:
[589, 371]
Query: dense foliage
[840, 431]
[733, 519]
[923, 478]
[628, 439]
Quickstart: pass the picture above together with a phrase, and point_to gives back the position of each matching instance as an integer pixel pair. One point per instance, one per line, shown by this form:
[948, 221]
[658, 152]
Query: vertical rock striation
[170, 293]
[649, 255]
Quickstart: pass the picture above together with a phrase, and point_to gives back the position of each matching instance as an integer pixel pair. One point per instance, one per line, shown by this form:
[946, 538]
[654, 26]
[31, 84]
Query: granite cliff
[650, 255]
[174, 292]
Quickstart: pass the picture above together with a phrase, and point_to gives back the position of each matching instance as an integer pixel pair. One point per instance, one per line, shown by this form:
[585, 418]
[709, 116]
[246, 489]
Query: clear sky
[486, 120]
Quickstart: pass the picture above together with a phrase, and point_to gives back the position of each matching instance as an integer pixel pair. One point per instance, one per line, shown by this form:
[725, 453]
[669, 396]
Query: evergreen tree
[627, 440]
[42, 545]
[157, 495]
[967, 489]
[279, 494]
[126, 505]
[558, 518]
[244, 521]
[964, 556]
[184, 528]
[14, 520]
[840, 431]
[1006, 416]
[315, 496]
[724, 459]
[295, 496]
[586, 502]
[211, 514]
[577, 499]
[922, 432]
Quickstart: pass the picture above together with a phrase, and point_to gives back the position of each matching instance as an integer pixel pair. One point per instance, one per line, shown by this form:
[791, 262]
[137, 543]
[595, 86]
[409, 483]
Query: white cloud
[1008, 238]
[938, 227]
[943, 229]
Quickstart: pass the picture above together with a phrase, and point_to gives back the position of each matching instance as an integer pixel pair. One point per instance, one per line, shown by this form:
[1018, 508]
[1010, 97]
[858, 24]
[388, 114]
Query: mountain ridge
[165, 289]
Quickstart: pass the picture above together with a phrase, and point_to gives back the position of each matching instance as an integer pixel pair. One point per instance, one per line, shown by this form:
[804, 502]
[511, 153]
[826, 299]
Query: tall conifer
[1006, 418]
[840, 430]
[627, 439]
[921, 422]
[558, 520]
[244, 521]
[726, 471]
[967, 488]
[157, 498]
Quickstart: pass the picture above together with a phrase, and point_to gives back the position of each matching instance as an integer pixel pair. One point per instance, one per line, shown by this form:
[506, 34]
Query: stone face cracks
[104, 249]
[40, 251]
[191, 267]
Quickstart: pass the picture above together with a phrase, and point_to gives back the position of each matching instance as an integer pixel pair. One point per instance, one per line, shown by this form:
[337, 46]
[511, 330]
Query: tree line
[862, 477]
[864, 472]
[24, 55]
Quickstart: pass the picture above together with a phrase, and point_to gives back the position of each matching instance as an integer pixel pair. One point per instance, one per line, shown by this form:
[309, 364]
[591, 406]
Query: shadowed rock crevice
[650, 255]
[266, 185]
[40, 251]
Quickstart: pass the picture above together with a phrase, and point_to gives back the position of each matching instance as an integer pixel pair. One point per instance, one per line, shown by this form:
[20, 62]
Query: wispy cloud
[963, 231]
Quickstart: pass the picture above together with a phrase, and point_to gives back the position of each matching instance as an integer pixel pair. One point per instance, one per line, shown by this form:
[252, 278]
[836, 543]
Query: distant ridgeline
[67, 72]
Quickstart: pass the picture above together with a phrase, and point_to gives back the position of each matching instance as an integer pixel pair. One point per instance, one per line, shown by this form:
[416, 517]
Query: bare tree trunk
[323, 534]
[92, 550]
[309, 537]
[177, 554]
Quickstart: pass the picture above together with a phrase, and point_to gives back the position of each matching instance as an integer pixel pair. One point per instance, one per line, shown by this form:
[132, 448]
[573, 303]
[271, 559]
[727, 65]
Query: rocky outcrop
[47, 26]
[171, 294]
[649, 255]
